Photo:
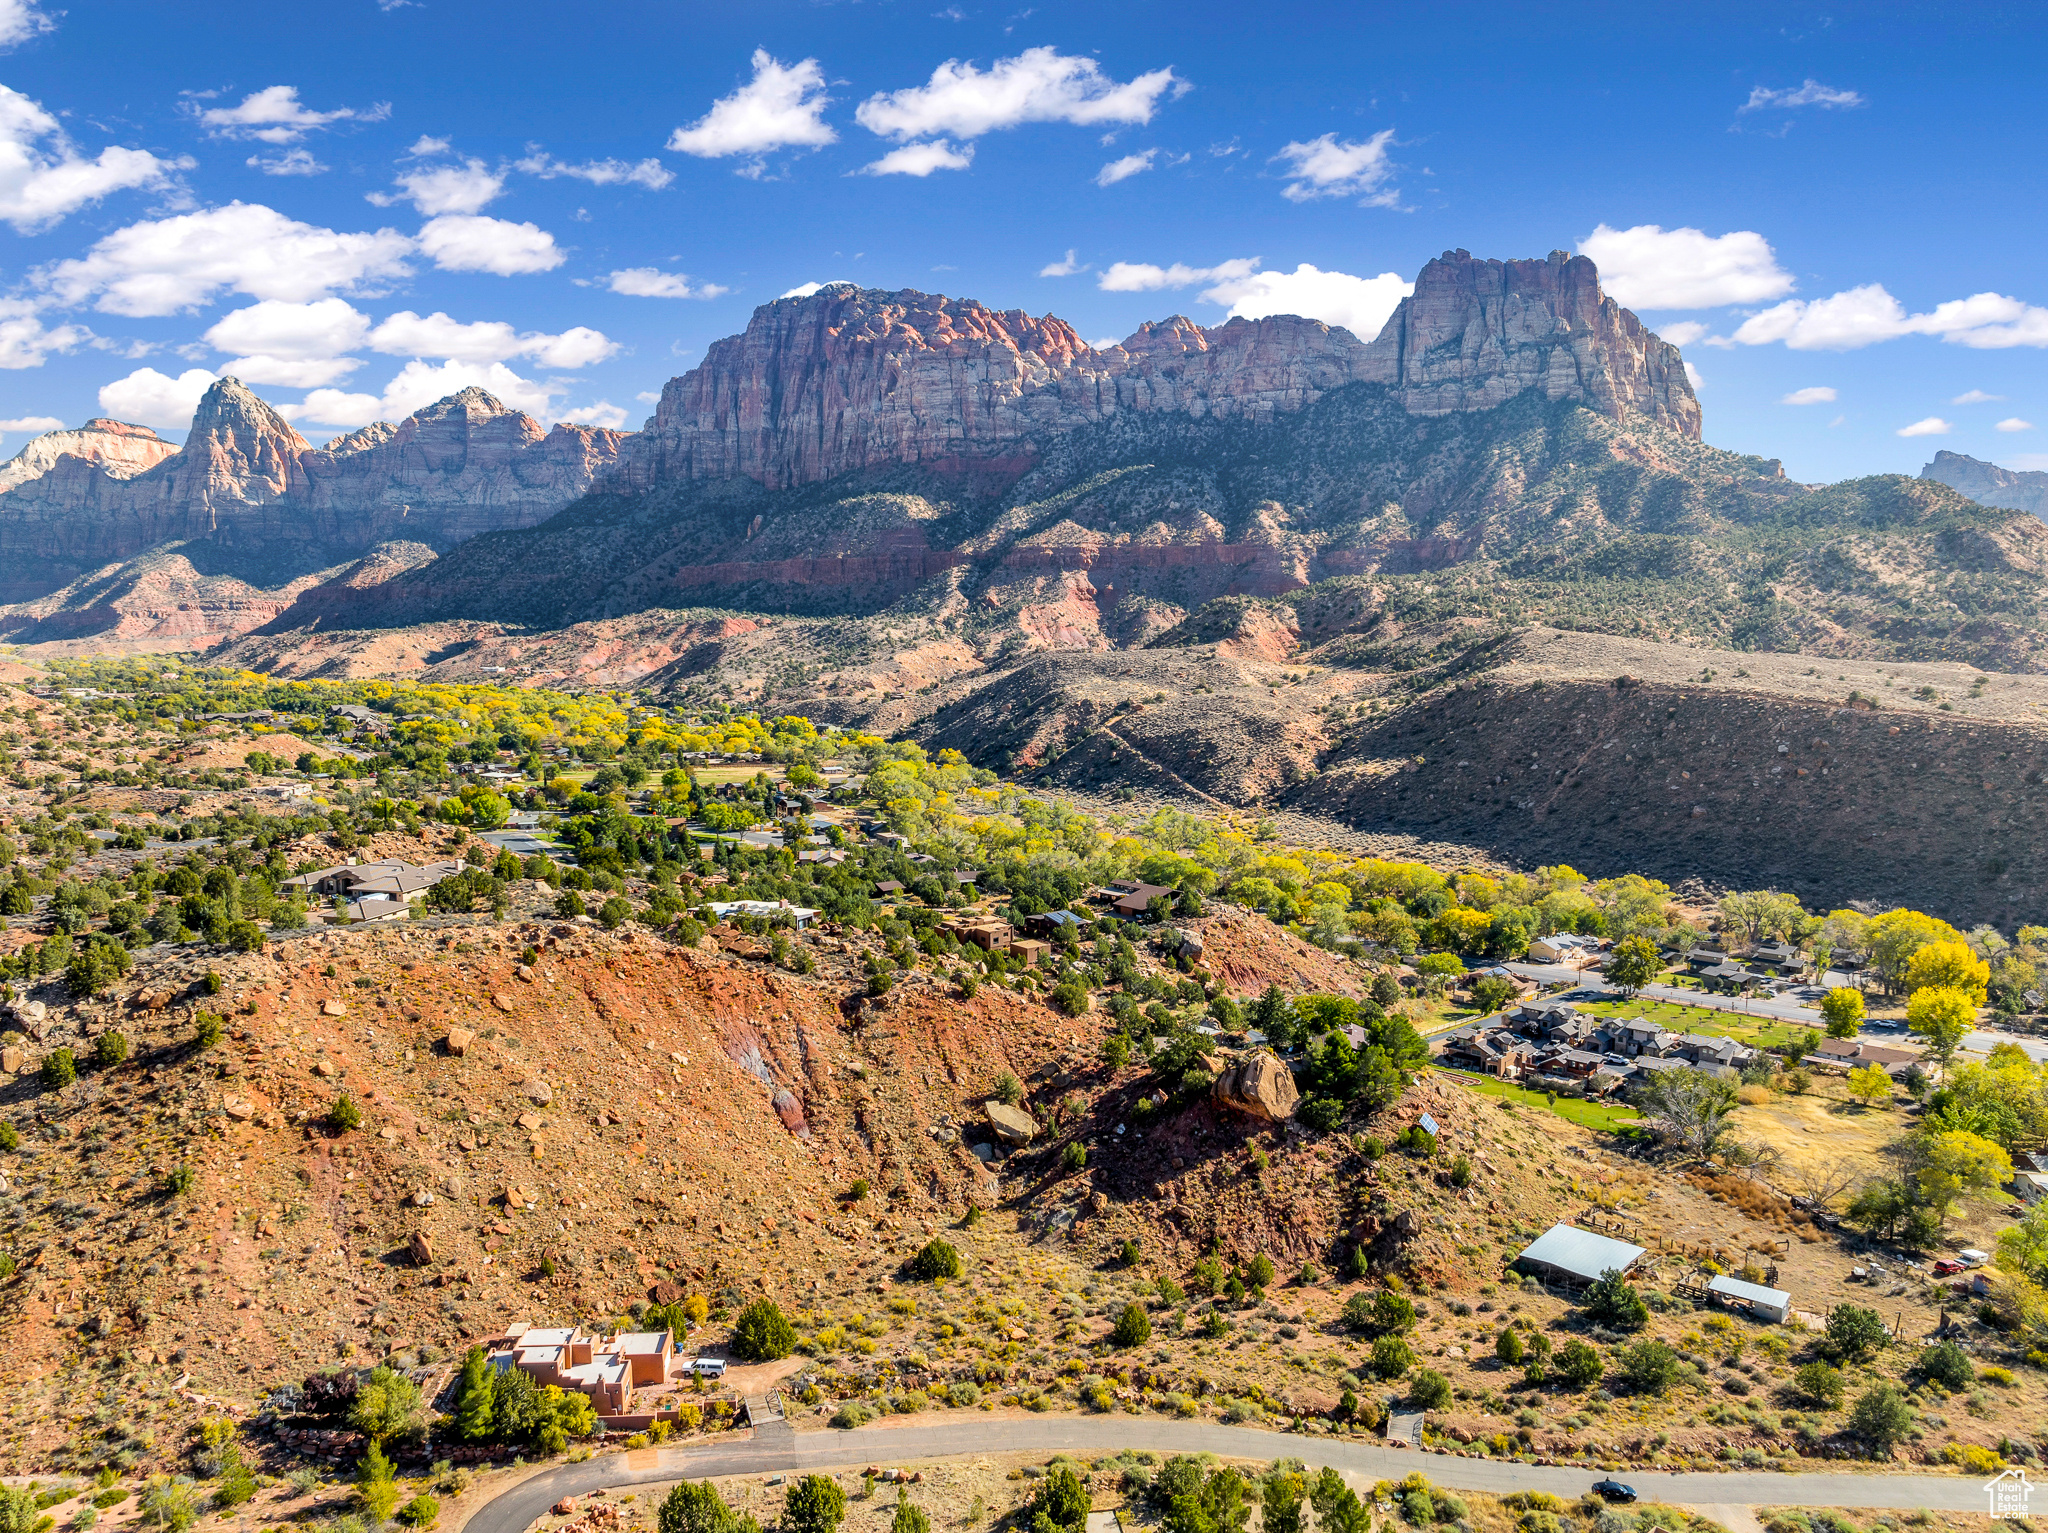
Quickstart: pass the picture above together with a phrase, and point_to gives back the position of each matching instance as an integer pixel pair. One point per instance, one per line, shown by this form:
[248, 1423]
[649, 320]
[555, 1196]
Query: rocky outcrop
[1989, 485]
[246, 481]
[1474, 334]
[1259, 1086]
[853, 378]
[1012, 1125]
[117, 449]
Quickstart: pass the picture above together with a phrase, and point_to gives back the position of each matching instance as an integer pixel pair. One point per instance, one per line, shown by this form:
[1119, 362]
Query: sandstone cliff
[250, 485]
[120, 450]
[1990, 485]
[855, 378]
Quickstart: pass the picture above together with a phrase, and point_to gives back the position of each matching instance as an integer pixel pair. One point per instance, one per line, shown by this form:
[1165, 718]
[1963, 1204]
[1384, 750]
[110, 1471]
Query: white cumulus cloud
[921, 159]
[652, 282]
[25, 341]
[1934, 425]
[149, 398]
[1332, 167]
[294, 345]
[603, 413]
[36, 424]
[20, 20]
[1142, 277]
[406, 334]
[783, 106]
[1650, 267]
[419, 384]
[44, 176]
[1122, 170]
[1820, 394]
[1065, 268]
[651, 174]
[1684, 333]
[1809, 93]
[1038, 85]
[1359, 304]
[1976, 397]
[2014, 423]
[457, 242]
[275, 115]
[1863, 316]
[162, 266]
[293, 162]
[436, 189]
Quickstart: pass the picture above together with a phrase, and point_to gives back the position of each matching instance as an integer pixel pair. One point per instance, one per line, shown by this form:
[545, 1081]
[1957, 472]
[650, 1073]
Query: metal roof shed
[1771, 1304]
[1578, 1256]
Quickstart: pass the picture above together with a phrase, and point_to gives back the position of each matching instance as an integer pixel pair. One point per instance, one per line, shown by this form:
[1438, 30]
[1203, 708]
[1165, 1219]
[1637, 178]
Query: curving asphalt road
[778, 1450]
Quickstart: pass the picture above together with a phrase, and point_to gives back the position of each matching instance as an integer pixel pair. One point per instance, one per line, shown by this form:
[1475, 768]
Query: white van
[708, 1367]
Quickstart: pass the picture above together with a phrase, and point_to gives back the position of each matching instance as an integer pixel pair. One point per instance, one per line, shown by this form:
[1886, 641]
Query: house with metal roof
[1772, 1305]
[1574, 1257]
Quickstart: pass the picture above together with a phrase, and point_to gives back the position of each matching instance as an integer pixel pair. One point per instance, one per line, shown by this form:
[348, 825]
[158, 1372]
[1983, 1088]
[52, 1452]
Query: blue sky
[362, 205]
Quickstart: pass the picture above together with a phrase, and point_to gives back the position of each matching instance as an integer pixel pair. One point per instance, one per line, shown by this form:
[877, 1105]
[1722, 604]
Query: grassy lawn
[1757, 1032]
[1593, 1115]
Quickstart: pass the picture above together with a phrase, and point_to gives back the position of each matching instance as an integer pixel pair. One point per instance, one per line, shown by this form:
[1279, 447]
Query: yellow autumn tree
[1949, 964]
[1959, 1163]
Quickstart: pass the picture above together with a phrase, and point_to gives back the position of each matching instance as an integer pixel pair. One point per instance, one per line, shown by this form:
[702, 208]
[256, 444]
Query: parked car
[1970, 1256]
[1614, 1490]
[1947, 1267]
[708, 1367]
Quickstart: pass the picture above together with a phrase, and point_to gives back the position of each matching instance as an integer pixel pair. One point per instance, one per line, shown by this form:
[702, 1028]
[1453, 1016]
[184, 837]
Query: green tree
[1648, 1366]
[1944, 1017]
[1061, 1505]
[936, 1260]
[1633, 964]
[1133, 1326]
[762, 1334]
[1870, 1085]
[1429, 1390]
[1579, 1364]
[1281, 1504]
[376, 1489]
[344, 1116]
[387, 1405]
[815, 1504]
[1947, 1365]
[909, 1519]
[1881, 1417]
[166, 1506]
[1491, 993]
[1820, 1384]
[1508, 1347]
[1391, 1357]
[59, 1069]
[695, 1509]
[1612, 1301]
[109, 1049]
[1842, 1009]
[1956, 1164]
[422, 1512]
[476, 1399]
[1855, 1333]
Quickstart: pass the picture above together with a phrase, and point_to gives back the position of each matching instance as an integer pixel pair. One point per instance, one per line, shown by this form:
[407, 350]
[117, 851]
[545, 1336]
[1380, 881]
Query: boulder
[12, 1059]
[502, 1001]
[791, 1112]
[517, 1196]
[419, 1250]
[239, 1108]
[537, 1091]
[1012, 1125]
[1258, 1085]
[326, 1069]
[333, 1009]
[458, 1041]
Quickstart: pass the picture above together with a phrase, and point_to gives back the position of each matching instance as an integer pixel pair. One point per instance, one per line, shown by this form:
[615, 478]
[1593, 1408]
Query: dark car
[1614, 1490]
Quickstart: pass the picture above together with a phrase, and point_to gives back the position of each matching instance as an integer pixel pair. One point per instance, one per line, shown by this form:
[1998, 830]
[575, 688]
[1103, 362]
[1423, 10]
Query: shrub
[858, 1190]
[236, 1484]
[815, 1504]
[207, 1029]
[614, 913]
[1133, 1326]
[1461, 1172]
[1579, 1364]
[1428, 1390]
[762, 1334]
[1881, 1417]
[1820, 1384]
[1508, 1347]
[936, 1260]
[1649, 1366]
[1948, 1365]
[423, 1511]
[344, 1116]
[1391, 1357]
[109, 1049]
[1074, 1157]
[1854, 1333]
[569, 905]
[180, 1180]
[1612, 1301]
[1008, 1089]
[60, 1069]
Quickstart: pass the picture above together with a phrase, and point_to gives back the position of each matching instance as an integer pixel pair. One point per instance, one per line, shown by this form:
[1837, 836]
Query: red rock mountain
[249, 482]
[853, 378]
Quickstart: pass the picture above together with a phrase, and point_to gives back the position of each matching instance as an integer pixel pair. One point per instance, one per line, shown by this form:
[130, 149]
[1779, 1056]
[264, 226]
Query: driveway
[777, 1450]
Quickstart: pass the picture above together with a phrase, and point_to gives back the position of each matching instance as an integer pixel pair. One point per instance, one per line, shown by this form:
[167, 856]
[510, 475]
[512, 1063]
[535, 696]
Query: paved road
[1559, 974]
[781, 1451]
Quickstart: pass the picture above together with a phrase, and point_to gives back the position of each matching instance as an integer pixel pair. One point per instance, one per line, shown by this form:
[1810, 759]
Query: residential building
[606, 1370]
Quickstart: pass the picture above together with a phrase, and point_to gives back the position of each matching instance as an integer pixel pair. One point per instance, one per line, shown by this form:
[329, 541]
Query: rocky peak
[1988, 484]
[1474, 334]
[116, 449]
[234, 418]
[472, 403]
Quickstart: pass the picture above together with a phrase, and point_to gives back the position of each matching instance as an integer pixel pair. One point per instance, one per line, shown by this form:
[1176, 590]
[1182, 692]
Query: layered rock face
[249, 482]
[120, 450]
[854, 378]
[1474, 334]
[1989, 485]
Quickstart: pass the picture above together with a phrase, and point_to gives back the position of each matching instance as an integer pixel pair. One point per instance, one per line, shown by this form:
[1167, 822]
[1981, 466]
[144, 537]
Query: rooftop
[1581, 1253]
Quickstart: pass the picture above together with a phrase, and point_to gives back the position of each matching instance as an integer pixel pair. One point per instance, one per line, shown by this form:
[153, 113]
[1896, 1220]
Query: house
[1777, 954]
[376, 908]
[2030, 1187]
[824, 854]
[1702, 1050]
[1131, 900]
[1030, 951]
[991, 936]
[390, 878]
[888, 886]
[1771, 1305]
[800, 915]
[1564, 947]
[1576, 1257]
[605, 1370]
[1047, 922]
[362, 718]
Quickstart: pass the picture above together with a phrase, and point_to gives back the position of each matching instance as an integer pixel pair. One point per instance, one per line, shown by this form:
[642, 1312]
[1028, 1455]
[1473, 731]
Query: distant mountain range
[1989, 485]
